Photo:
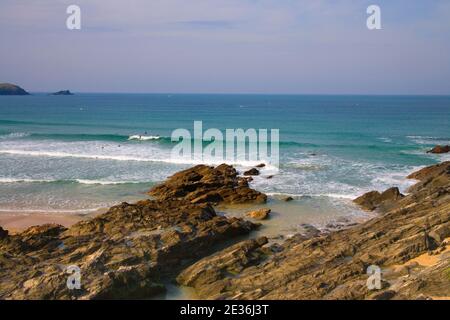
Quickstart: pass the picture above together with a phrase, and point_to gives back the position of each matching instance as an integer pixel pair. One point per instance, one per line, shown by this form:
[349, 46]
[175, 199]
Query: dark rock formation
[8, 89]
[124, 253]
[251, 172]
[3, 233]
[204, 184]
[231, 261]
[62, 93]
[374, 200]
[440, 149]
[334, 265]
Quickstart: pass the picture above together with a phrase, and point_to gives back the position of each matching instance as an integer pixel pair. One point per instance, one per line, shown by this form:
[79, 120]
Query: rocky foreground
[334, 266]
[132, 250]
[129, 251]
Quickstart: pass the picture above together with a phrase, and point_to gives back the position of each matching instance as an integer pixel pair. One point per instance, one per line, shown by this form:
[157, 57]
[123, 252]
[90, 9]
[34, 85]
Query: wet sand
[17, 221]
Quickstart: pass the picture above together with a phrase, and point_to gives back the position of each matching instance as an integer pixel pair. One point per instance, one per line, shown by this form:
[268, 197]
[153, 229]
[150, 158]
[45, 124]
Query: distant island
[8, 89]
[62, 93]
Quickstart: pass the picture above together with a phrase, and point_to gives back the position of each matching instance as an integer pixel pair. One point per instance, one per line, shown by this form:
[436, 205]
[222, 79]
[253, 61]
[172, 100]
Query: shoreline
[14, 221]
[187, 230]
[287, 218]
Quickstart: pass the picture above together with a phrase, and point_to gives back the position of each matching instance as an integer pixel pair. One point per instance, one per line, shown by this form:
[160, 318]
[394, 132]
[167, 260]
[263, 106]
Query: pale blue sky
[225, 46]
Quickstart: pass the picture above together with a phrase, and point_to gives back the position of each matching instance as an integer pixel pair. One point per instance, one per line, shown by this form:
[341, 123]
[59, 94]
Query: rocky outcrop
[439, 149]
[8, 89]
[62, 93]
[125, 253]
[3, 233]
[260, 214]
[205, 184]
[229, 262]
[252, 172]
[334, 265]
[132, 250]
[376, 200]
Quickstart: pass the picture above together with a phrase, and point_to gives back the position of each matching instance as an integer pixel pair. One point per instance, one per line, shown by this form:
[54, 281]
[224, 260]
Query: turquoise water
[73, 153]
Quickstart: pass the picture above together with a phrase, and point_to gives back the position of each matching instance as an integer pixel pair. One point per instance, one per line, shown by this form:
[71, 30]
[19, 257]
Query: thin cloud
[207, 24]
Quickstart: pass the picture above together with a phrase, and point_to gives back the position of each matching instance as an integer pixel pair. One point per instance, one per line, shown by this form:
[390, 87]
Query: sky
[227, 46]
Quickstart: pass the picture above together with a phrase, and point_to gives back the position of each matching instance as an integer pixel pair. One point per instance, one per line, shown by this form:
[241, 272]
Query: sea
[78, 154]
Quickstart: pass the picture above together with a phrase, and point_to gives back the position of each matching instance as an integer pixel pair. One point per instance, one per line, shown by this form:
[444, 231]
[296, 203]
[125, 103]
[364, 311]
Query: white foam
[17, 180]
[143, 138]
[181, 160]
[81, 181]
[14, 135]
[329, 195]
[385, 139]
[50, 211]
[103, 182]
[428, 140]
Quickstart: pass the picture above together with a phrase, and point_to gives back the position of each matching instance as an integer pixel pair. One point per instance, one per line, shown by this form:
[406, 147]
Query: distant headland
[8, 89]
[62, 93]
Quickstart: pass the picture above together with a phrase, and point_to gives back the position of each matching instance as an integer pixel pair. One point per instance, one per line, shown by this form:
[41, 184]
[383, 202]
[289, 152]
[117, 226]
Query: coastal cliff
[133, 249]
[8, 89]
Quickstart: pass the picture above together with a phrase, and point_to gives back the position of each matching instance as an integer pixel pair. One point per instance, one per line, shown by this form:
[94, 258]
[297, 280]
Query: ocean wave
[143, 138]
[80, 181]
[51, 211]
[180, 161]
[25, 180]
[14, 135]
[123, 138]
[95, 137]
[428, 140]
[385, 139]
[103, 182]
[305, 166]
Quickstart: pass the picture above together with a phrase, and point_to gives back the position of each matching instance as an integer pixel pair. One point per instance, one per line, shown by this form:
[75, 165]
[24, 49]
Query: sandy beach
[16, 222]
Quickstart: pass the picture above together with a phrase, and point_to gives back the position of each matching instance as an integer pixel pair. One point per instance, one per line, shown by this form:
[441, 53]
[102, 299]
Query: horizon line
[252, 93]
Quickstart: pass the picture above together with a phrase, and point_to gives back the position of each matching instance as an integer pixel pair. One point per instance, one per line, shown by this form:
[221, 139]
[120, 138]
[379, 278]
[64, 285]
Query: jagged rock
[261, 165]
[384, 295]
[309, 231]
[369, 200]
[334, 265]
[125, 253]
[440, 149]
[373, 200]
[431, 172]
[3, 233]
[202, 184]
[230, 261]
[260, 214]
[251, 172]
[8, 89]
[433, 177]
